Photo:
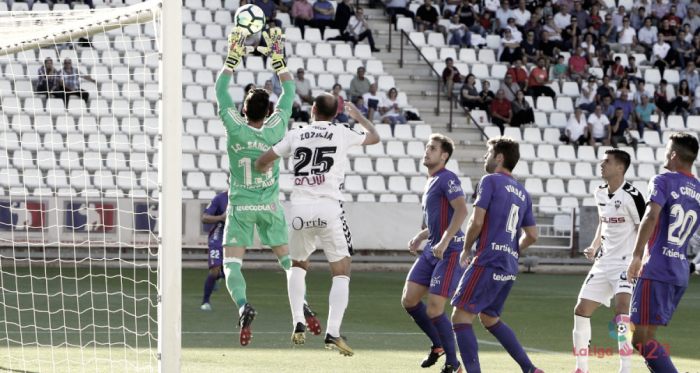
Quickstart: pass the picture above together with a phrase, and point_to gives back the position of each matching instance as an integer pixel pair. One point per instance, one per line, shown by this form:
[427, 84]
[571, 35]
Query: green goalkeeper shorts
[241, 222]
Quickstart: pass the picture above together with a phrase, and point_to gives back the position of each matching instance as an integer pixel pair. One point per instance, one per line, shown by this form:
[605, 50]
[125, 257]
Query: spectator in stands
[617, 71]
[340, 116]
[582, 16]
[358, 30]
[361, 106]
[643, 113]
[270, 9]
[510, 88]
[522, 111]
[547, 50]
[303, 14]
[486, 95]
[521, 15]
[578, 66]
[693, 20]
[547, 9]
[49, 80]
[394, 7]
[684, 98]
[627, 38]
[586, 100]
[658, 10]
[559, 72]
[589, 49]
[610, 32]
[390, 110]
[691, 76]
[673, 21]
[343, 13]
[618, 17]
[553, 31]
[647, 36]
[631, 70]
[510, 48]
[597, 124]
[427, 18]
[373, 100]
[577, 131]
[604, 53]
[669, 33]
[501, 111]
[359, 85]
[641, 3]
[663, 55]
[684, 50]
[323, 15]
[571, 35]
[517, 35]
[619, 131]
[70, 77]
[608, 108]
[681, 9]
[297, 114]
[535, 27]
[688, 33]
[450, 75]
[468, 12]
[662, 99]
[539, 78]
[486, 22]
[247, 89]
[626, 105]
[460, 34]
[637, 19]
[695, 5]
[530, 48]
[623, 85]
[605, 90]
[696, 46]
[470, 97]
[596, 19]
[637, 98]
[303, 87]
[273, 97]
[519, 74]
[503, 14]
[563, 19]
[492, 6]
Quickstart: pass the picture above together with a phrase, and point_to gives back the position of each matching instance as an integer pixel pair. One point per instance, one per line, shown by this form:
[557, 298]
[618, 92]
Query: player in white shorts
[320, 153]
[620, 208]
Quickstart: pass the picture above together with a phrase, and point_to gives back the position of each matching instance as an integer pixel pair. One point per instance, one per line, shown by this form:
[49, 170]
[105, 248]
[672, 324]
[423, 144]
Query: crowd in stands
[64, 83]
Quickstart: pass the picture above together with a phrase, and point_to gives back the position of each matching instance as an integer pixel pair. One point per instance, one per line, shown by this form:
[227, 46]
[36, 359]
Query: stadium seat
[521, 168]
[586, 153]
[646, 171]
[330, 33]
[541, 121]
[546, 152]
[545, 104]
[540, 168]
[583, 170]
[407, 167]
[513, 132]
[532, 136]
[423, 131]
[388, 198]
[675, 122]
[562, 170]
[366, 197]
[335, 66]
[566, 153]
[363, 166]
[415, 149]
[548, 205]
[672, 76]
[555, 187]
[353, 183]
[436, 39]
[557, 119]
[493, 41]
[480, 71]
[534, 187]
[499, 71]
[312, 34]
[344, 51]
[405, 24]
[577, 188]
[385, 166]
[453, 166]
[467, 55]
[652, 76]
[385, 83]
[527, 152]
[397, 184]
[218, 181]
[375, 150]
[417, 184]
[564, 104]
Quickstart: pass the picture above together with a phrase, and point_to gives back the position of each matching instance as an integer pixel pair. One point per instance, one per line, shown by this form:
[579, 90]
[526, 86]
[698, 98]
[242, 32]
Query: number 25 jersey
[678, 194]
[319, 153]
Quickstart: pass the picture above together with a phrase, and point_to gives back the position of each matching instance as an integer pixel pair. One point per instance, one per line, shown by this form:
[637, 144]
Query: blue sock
[444, 329]
[468, 347]
[420, 316]
[209, 287]
[657, 358]
[507, 338]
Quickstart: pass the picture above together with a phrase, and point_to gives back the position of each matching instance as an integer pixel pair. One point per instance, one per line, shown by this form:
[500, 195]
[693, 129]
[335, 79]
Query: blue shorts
[441, 276]
[653, 302]
[216, 256]
[483, 289]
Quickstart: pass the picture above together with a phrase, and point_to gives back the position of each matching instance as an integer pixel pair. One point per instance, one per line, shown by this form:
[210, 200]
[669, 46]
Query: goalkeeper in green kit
[254, 197]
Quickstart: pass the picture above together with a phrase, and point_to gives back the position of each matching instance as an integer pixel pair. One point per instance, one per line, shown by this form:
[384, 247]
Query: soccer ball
[250, 18]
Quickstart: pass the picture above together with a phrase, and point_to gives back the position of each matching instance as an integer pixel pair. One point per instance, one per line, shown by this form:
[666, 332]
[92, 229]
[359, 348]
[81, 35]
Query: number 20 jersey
[319, 154]
[508, 208]
[678, 194]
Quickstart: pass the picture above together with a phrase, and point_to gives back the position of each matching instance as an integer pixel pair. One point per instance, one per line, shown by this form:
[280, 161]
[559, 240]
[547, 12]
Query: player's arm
[530, 236]
[266, 161]
[414, 243]
[646, 229]
[236, 51]
[371, 134]
[211, 219]
[589, 252]
[459, 204]
[476, 223]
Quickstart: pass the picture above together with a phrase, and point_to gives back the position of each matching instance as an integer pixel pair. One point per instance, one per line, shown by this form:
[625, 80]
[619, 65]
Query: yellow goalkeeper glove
[275, 49]
[236, 48]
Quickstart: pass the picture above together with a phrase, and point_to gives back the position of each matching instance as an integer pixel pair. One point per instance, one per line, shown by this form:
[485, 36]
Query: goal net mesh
[78, 190]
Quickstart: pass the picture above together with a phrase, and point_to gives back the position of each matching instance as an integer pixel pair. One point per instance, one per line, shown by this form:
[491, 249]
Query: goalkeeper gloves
[236, 48]
[275, 49]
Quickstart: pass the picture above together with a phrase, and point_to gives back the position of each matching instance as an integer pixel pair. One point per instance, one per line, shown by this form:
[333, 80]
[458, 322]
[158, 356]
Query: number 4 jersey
[320, 154]
[678, 194]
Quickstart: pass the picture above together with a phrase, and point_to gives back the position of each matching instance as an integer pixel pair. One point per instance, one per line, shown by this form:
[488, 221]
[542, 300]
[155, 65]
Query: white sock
[625, 349]
[338, 302]
[582, 341]
[296, 285]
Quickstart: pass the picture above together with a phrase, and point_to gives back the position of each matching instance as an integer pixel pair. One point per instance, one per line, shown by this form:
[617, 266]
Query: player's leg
[337, 304]
[623, 297]
[213, 276]
[462, 321]
[301, 246]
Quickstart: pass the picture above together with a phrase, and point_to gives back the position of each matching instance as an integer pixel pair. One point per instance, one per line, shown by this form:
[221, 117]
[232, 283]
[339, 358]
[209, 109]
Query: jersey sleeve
[485, 192]
[276, 125]
[227, 109]
[657, 190]
[636, 205]
[528, 217]
[284, 147]
[213, 207]
[451, 187]
[353, 137]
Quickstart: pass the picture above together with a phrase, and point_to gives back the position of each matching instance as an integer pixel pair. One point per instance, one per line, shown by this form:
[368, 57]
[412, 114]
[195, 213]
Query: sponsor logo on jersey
[454, 188]
[673, 254]
[459, 238]
[271, 207]
[22, 215]
[623, 276]
[505, 248]
[299, 223]
[310, 180]
[503, 277]
[612, 220]
[617, 204]
[435, 281]
[146, 215]
[90, 216]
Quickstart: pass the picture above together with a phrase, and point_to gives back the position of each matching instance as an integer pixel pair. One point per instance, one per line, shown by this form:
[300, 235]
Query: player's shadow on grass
[3, 369]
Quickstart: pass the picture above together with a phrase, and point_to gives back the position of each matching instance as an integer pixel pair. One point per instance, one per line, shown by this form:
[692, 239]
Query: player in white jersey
[620, 208]
[320, 153]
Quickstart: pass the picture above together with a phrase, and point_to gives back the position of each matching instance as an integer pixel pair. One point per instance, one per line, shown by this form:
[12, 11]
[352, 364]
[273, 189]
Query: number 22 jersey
[678, 194]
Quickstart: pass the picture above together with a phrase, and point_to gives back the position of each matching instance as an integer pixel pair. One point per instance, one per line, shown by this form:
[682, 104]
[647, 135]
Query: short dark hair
[686, 146]
[620, 156]
[257, 104]
[326, 106]
[510, 149]
[446, 144]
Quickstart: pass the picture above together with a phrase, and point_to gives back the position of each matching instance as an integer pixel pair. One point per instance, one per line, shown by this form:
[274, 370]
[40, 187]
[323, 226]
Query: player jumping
[254, 197]
[214, 213]
[502, 208]
[620, 207]
[320, 154]
[437, 271]
[670, 218]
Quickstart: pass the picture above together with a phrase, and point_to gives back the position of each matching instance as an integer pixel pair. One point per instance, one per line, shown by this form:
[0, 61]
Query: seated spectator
[522, 111]
[547, 50]
[361, 106]
[492, 6]
[373, 100]
[637, 20]
[684, 50]
[270, 9]
[627, 38]
[691, 76]
[276, 85]
[394, 7]
[696, 46]
[510, 88]
[605, 90]
[637, 98]
[547, 9]
[658, 10]
[631, 70]
[49, 80]
[273, 97]
[247, 89]
[303, 14]
[609, 30]
[563, 18]
[323, 15]
[510, 48]
[604, 54]
[692, 20]
[297, 114]
[642, 3]
[468, 12]
[521, 15]
[695, 5]
[586, 99]
[502, 16]
[620, 132]
[450, 8]
[459, 34]
[623, 86]
[501, 111]
[469, 96]
[582, 17]
[535, 26]
[486, 95]
[359, 85]
[553, 32]
[340, 116]
[571, 34]
[559, 72]
[598, 127]
[70, 77]
[647, 37]
[662, 100]
[358, 30]
[514, 29]
[684, 98]
[450, 75]
[596, 19]
[578, 66]
[589, 49]
[530, 48]
[390, 110]
[668, 32]
[343, 13]
[608, 108]
[673, 20]
[539, 78]
[643, 113]
[681, 9]
[626, 105]
[427, 18]
[618, 17]
[519, 74]
[663, 56]
[303, 87]
[486, 23]
[577, 131]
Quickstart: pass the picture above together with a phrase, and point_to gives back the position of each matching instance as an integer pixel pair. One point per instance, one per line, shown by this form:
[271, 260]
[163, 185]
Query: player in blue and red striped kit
[437, 270]
[670, 219]
[501, 210]
[214, 213]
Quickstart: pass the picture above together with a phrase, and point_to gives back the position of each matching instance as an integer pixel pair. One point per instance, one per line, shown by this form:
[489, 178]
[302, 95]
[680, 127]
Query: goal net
[80, 175]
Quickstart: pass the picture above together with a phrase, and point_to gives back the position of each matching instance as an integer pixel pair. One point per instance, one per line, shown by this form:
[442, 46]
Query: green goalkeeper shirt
[245, 144]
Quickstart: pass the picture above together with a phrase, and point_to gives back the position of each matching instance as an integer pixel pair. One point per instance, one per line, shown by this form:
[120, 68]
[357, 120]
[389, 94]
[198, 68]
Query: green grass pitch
[539, 310]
